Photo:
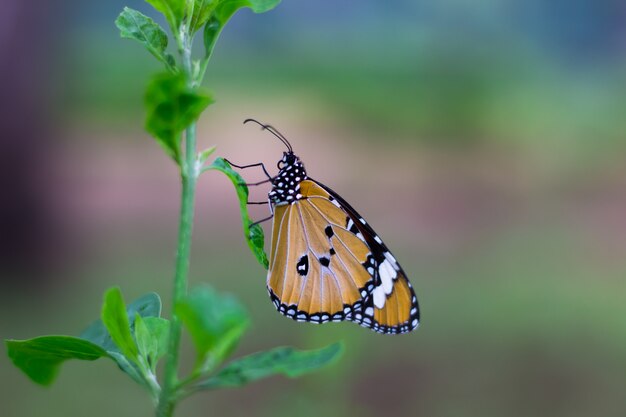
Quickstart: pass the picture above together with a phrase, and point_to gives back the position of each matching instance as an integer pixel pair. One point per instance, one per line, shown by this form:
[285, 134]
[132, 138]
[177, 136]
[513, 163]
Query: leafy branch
[135, 336]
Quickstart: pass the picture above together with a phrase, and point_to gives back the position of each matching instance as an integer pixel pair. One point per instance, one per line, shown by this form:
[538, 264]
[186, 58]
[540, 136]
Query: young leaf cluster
[135, 338]
[174, 99]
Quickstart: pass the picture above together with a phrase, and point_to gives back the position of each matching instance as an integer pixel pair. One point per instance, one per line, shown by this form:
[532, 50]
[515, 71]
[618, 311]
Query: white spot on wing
[387, 275]
[369, 311]
[379, 296]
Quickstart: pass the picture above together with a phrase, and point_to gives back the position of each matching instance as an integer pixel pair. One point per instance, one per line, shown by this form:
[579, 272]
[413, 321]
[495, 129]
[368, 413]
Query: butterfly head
[286, 185]
[289, 158]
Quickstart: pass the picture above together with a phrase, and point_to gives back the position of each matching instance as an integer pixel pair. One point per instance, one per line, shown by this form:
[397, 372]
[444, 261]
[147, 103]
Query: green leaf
[41, 357]
[135, 25]
[204, 155]
[253, 234]
[115, 319]
[212, 31]
[262, 6]
[173, 10]
[201, 11]
[283, 360]
[148, 305]
[171, 107]
[226, 8]
[215, 322]
[151, 335]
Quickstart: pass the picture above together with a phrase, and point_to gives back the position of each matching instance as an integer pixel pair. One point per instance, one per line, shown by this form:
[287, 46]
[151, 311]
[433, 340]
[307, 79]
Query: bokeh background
[484, 140]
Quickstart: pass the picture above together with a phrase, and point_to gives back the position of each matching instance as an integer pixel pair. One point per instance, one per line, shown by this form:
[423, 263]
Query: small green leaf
[201, 11]
[283, 360]
[215, 322]
[204, 155]
[135, 25]
[148, 305]
[41, 357]
[115, 319]
[212, 31]
[172, 107]
[253, 234]
[151, 335]
[159, 328]
[173, 10]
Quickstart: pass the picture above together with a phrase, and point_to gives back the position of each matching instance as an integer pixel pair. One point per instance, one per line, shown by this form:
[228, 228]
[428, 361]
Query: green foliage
[173, 101]
[202, 10]
[148, 305]
[136, 355]
[253, 233]
[135, 25]
[111, 336]
[173, 10]
[203, 156]
[171, 107]
[283, 360]
[41, 357]
[215, 322]
[116, 321]
[151, 334]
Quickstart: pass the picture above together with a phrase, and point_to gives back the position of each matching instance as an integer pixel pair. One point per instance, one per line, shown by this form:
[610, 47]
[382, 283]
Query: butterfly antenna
[273, 131]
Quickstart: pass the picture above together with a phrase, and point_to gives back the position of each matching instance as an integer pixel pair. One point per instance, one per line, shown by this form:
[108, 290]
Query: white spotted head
[286, 185]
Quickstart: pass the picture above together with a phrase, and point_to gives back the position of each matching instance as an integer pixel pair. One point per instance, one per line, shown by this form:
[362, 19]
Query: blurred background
[484, 140]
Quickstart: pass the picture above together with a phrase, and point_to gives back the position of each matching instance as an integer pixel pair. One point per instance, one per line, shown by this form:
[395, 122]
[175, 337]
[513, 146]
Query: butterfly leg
[259, 183]
[269, 177]
[260, 164]
[262, 220]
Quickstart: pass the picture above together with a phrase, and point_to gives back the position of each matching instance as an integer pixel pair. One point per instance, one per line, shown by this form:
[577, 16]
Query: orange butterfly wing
[327, 264]
[317, 270]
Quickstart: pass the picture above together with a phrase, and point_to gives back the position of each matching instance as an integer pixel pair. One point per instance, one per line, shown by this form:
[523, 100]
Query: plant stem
[189, 177]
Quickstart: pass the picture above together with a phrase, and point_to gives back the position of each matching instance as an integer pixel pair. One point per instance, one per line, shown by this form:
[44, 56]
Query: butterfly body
[326, 262]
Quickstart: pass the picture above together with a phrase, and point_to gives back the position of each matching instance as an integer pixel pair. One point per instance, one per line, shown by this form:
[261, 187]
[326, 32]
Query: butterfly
[326, 263]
